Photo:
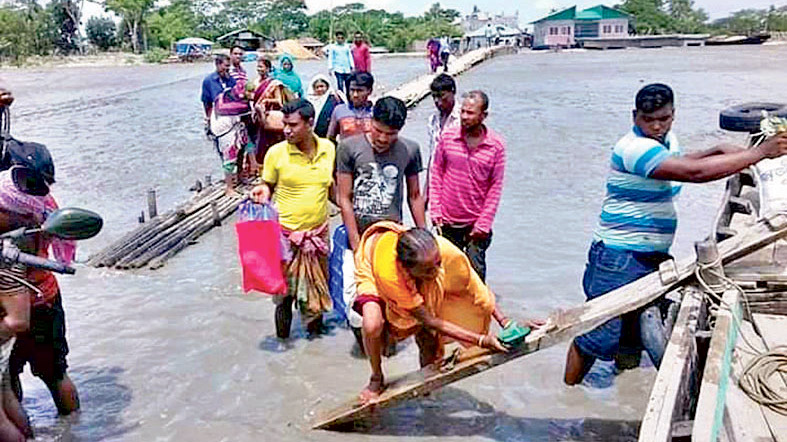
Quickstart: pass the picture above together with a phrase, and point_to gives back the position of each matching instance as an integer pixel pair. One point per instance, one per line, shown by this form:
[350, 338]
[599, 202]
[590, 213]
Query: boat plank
[674, 382]
[708, 421]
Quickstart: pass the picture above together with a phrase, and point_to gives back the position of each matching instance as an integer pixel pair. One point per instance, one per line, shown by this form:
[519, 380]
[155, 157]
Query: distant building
[562, 28]
[493, 35]
[477, 19]
[312, 44]
[248, 40]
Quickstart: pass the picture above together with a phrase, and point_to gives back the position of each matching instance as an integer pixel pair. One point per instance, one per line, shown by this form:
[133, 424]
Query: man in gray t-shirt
[372, 169]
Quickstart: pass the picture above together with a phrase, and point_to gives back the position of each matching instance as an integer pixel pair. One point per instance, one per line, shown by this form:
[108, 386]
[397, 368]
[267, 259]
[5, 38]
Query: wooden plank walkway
[152, 244]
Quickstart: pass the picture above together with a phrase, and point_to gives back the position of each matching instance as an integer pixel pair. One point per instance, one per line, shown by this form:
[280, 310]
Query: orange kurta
[457, 294]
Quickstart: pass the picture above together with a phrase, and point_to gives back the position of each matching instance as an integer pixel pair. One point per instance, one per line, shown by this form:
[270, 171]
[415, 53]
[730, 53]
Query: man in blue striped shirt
[638, 222]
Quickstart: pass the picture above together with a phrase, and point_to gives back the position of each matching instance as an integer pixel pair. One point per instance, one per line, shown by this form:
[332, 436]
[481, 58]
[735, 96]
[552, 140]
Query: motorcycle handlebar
[14, 255]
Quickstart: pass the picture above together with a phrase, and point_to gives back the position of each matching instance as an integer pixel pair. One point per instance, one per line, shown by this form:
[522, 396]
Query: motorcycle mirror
[73, 223]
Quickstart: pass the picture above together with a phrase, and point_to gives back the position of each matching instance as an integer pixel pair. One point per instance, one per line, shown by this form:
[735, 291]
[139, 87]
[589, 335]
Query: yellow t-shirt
[301, 194]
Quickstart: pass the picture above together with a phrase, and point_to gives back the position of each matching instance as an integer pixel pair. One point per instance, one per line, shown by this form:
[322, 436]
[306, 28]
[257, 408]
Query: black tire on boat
[746, 117]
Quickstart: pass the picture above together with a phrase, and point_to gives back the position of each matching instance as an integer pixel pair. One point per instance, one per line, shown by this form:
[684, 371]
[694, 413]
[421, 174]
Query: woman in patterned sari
[269, 95]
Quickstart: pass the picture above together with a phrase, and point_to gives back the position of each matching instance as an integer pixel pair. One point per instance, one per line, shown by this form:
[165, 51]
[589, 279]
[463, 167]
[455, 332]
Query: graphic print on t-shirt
[374, 189]
[350, 126]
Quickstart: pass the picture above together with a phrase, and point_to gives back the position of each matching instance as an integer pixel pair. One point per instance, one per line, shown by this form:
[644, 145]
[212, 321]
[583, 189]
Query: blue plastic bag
[335, 275]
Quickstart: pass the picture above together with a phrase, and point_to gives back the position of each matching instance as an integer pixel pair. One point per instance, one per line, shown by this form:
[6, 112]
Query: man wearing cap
[27, 172]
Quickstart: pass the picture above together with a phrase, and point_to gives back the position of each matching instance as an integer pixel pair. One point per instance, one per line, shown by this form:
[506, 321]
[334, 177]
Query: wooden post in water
[711, 269]
[215, 211]
[152, 209]
[141, 217]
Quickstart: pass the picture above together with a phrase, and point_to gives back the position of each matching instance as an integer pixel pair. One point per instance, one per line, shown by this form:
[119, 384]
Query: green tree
[283, 19]
[436, 13]
[101, 32]
[134, 13]
[776, 19]
[650, 16]
[65, 17]
[382, 28]
[244, 13]
[26, 29]
[171, 23]
[686, 19]
[211, 21]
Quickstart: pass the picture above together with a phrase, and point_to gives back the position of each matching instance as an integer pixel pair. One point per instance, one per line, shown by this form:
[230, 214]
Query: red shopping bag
[259, 246]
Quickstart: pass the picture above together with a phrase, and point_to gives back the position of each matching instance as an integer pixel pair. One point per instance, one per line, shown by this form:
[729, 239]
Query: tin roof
[601, 12]
[566, 14]
[598, 12]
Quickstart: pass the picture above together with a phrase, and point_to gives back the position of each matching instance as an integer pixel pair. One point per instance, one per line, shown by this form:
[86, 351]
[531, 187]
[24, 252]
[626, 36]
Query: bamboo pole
[177, 234]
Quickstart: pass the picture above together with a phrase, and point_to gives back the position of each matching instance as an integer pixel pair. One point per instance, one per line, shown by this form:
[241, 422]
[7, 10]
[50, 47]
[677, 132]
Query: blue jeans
[343, 83]
[607, 269]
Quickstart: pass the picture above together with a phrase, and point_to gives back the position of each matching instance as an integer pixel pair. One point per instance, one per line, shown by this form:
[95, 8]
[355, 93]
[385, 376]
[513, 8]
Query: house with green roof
[562, 28]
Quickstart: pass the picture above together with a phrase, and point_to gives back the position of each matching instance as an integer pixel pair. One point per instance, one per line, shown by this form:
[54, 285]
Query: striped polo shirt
[238, 73]
[639, 212]
[465, 184]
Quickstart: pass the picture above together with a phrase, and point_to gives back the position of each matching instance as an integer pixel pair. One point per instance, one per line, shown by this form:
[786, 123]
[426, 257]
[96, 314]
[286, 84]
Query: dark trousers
[343, 83]
[474, 249]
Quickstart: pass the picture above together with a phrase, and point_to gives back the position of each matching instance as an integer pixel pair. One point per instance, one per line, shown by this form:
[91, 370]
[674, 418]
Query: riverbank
[112, 59]
[103, 59]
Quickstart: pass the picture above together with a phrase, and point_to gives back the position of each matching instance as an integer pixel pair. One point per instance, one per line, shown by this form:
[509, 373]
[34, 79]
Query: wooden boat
[731, 315]
[756, 39]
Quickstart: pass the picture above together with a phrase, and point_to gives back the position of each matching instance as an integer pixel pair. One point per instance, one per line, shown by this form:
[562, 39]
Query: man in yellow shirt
[298, 172]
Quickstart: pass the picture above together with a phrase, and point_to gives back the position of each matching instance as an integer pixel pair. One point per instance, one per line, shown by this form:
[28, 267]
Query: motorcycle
[68, 223]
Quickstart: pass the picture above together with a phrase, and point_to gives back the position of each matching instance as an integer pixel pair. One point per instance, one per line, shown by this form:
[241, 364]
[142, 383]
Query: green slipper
[513, 334]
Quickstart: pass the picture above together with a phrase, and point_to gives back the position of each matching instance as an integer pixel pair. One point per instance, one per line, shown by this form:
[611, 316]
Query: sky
[529, 10]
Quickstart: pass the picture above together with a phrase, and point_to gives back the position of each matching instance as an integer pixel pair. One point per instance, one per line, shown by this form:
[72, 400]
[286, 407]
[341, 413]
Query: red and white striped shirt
[466, 183]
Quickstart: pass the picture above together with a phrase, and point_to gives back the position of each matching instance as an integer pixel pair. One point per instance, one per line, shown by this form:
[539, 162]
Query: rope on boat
[764, 378]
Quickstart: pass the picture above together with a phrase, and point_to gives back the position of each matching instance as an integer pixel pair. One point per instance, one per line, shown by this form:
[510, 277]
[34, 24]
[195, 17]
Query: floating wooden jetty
[163, 236]
[414, 91]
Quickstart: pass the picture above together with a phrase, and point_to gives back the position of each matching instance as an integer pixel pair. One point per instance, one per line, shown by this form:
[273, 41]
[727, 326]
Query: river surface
[181, 354]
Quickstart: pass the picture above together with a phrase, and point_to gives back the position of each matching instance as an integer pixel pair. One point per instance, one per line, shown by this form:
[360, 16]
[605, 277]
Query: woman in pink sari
[433, 53]
[269, 95]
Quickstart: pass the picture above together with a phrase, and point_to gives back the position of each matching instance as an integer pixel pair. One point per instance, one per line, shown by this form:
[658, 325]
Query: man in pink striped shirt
[466, 181]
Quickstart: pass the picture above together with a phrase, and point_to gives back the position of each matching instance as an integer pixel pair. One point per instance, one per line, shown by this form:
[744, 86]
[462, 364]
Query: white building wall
[553, 33]
[613, 28]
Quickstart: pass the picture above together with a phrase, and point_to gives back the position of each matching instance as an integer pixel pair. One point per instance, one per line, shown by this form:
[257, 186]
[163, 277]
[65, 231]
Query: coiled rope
[764, 378]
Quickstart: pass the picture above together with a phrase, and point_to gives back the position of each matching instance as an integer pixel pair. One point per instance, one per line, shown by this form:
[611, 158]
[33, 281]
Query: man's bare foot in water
[372, 391]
